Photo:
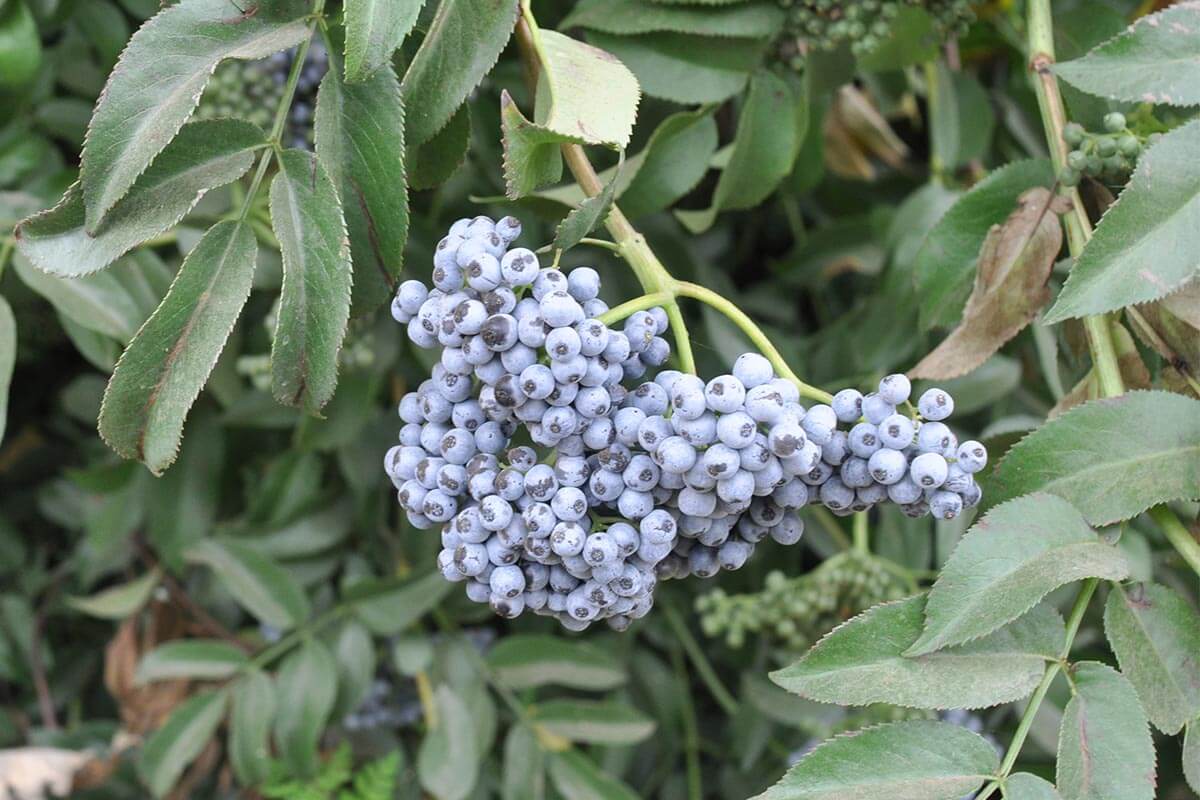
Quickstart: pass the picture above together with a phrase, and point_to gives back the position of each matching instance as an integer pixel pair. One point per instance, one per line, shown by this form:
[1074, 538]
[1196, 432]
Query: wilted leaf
[1010, 287]
[204, 155]
[175, 745]
[1156, 60]
[862, 662]
[374, 30]
[360, 139]
[202, 659]
[1104, 458]
[1006, 563]
[464, 40]
[254, 705]
[159, 79]
[900, 761]
[1143, 247]
[1155, 635]
[314, 303]
[258, 584]
[167, 364]
[1104, 748]
[1171, 327]
[528, 661]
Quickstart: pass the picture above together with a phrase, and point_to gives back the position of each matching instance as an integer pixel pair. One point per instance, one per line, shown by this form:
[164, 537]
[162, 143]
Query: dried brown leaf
[1010, 286]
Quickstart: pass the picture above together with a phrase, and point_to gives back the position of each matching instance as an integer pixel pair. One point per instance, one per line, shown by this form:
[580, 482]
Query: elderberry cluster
[564, 491]
[864, 24]
[1109, 156]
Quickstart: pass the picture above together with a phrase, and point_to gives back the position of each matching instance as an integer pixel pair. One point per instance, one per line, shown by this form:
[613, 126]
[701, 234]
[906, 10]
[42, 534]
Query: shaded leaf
[389, 610]
[118, 602]
[202, 659]
[862, 662]
[945, 264]
[374, 30]
[96, 303]
[1155, 60]
[433, 162]
[464, 40]
[168, 752]
[911, 39]
[354, 655]
[1104, 748]
[593, 721]
[159, 79]
[576, 777]
[448, 761]
[1006, 563]
[1191, 754]
[167, 364]
[682, 68]
[581, 221]
[258, 584]
[628, 17]
[531, 154]
[1143, 248]
[204, 155]
[673, 161]
[183, 506]
[314, 303]
[359, 135]
[1023, 786]
[524, 771]
[307, 684]
[8, 358]
[528, 661]
[1010, 287]
[1105, 459]
[254, 705]
[900, 761]
[1155, 635]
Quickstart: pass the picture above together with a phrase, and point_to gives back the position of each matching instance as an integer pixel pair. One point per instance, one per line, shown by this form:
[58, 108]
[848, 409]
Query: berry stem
[862, 533]
[281, 112]
[635, 305]
[754, 333]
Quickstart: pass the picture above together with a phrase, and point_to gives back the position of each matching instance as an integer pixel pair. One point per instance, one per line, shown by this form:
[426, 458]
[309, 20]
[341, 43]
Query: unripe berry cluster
[629, 485]
[1110, 155]
[798, 611]
[864, 24]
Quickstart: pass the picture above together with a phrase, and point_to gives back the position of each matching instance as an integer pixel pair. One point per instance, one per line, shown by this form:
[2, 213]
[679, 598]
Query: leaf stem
[691, 736]
[605, 243]
[754, 333]
[700, 662]
[281, 112]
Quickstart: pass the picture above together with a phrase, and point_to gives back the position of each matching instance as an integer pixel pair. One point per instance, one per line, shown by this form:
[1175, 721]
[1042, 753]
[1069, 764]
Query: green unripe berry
[1068, 177]
[1105, 146]
[1073, 134]
[1129, 145]
[1114, 122]
[1095, 165]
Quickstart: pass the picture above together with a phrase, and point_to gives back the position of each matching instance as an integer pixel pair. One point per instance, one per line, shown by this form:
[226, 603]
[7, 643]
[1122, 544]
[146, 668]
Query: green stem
[6, 250]
[700, 662]
[1178, 535]
[691, 736]
[830, 524]
[281, 112]
[862, 534]
[754, 333]
[933, 102]
[635, 305]
[604, 243]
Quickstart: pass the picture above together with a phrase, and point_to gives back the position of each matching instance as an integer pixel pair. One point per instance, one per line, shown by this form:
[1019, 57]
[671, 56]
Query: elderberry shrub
[562, 490]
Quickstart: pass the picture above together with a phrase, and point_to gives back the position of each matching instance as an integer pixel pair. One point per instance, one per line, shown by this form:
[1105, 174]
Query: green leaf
[202, 659]
[862, 662]
[159, 79]
[374, 30]
[673, 162]
[531, 154]
[1155, 635]
[528, 661]
[99, 303]
[390, 612]
[258, 584]
[354, 655]
[626, 17]
[1191, 754]
[448, 761]
[524, 772]
[167, 753]
[900, 761]
[593, 721]
[314, 303]
[685, 69]
[1105, 459]
[576, 777]
[1023, 786]
[462, 45]
[762, 152]
[254, 706]
[1156, 60]
[182, 506]
[118, 602]
[203, 156]
[307, 685]
[8, 358]
[945, 264]
[360, 140]
[584, 93]
[584, 219]
[433, 162]
[1006, 563]
[961, 128]
[912, 39]
[167, 364]
[1143, 247]
[1104, 747]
